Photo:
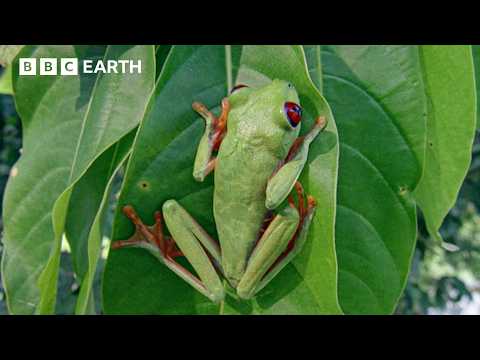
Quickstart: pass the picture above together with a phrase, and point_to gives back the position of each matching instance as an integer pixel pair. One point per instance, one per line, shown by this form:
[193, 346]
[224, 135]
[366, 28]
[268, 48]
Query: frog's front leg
[281, 183]
[195, 244]
[279, 244]
[215, 129]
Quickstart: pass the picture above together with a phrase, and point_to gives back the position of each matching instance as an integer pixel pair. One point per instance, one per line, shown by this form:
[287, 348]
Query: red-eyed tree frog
[257, 156]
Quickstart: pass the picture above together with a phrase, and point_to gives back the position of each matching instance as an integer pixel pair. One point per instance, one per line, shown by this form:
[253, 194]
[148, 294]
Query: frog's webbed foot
[215, 130]
[301, 143]
[199, 249]
[217, 126]
[148, 236]
[280, 242]
[306, 207]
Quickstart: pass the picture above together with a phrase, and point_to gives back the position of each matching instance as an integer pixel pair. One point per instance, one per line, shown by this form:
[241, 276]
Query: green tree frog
[256, 154]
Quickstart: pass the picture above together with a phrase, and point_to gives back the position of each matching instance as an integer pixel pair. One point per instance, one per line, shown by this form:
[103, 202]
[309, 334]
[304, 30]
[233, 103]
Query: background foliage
[446, 278]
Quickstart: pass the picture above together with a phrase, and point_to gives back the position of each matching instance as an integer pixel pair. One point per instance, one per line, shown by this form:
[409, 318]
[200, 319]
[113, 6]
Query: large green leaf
[450, 86]
[314, 63]
[315, 268]
[68, 122]
[377, 97]
[88, 216]
[160, 168]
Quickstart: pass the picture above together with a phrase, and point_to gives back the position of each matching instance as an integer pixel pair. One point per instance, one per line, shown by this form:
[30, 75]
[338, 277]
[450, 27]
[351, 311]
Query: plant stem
[228, 66]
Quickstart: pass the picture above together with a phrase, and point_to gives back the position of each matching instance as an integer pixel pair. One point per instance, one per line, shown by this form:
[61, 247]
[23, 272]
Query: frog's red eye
[237, 87]
[294, 113]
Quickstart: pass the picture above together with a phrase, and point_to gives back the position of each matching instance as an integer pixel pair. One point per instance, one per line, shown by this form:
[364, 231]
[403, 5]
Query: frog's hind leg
[215, 130]
[298, 240]
[202, 252]
[193, 243]
[279, 244]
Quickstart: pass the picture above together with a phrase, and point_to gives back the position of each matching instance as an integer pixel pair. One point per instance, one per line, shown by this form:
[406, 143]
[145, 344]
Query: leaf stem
[318, 55]
[228, 66]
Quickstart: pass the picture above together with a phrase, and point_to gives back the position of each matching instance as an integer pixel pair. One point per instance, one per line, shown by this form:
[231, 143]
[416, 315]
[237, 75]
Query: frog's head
[276, 104]
[269, 115]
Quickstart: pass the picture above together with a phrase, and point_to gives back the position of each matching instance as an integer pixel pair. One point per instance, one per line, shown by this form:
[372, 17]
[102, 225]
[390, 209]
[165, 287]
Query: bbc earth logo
[72, 66]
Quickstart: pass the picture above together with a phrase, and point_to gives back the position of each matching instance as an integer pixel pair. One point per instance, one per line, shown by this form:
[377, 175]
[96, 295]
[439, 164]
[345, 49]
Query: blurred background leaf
[445, 279]
[6, 86]
[8, 53]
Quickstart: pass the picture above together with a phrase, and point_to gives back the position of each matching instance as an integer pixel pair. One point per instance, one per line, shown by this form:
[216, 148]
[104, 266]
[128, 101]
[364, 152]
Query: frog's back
[258, 137]
[244, 165]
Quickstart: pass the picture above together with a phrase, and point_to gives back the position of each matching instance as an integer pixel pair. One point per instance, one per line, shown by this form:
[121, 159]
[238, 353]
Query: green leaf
[377, 97]
[6, 81]
[68, 122]
[161, 53]
[314, 63]
[8, 53]
[448, 74]
[313, 274]
[86, 220]
[160, 168]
